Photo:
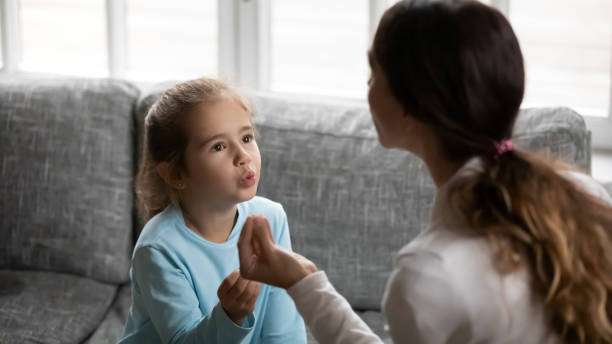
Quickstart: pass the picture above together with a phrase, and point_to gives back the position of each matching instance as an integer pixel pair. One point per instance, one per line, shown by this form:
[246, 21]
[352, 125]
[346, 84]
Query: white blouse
[444, 289]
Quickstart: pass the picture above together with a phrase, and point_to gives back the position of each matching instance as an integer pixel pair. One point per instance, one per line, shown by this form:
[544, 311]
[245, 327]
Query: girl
[196, 186]
[518, 251]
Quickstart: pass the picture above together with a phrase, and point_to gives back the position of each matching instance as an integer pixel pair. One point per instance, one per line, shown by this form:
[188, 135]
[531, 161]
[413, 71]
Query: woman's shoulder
[463, 264]
[446, 246]
[456, 282]
[434, 258]
[422, 300]
[587, 184]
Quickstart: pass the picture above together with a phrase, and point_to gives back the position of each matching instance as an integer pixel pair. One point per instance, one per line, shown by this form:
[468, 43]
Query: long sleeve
[173, 305]
[328, 315]
[282, 323]
[419, 304]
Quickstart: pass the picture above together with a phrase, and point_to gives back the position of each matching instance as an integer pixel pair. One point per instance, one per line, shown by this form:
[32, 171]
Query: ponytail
[536, 217]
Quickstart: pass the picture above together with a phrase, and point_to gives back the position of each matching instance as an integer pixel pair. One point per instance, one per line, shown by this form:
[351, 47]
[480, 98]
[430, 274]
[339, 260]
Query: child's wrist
[237, 320]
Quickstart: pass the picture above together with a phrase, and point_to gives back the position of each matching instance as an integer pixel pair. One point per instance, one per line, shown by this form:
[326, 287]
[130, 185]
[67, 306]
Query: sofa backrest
[67, 165]
[352, 204]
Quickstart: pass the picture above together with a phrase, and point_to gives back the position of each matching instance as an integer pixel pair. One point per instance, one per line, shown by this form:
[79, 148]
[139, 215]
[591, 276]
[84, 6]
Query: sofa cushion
[557, 132]
[66, 176]
[608, 187]
[111, 328]
[375, 321]
[45, 307]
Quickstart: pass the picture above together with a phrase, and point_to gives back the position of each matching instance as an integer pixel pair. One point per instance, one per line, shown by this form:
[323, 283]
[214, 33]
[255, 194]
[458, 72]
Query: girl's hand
[237, 296]
[262, 260]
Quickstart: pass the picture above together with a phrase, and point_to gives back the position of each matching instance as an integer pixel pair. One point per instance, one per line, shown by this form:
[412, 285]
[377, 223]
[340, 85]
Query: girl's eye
[218, 147]
[247, 138]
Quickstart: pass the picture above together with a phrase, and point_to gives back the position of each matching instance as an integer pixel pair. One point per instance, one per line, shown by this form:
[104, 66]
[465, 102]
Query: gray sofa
[69, 151]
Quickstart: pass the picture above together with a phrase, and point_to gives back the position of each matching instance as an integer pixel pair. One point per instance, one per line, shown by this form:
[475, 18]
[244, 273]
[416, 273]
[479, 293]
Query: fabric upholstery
[374, 319]
[66, 176]
[608, 187]
[557, 132]
[47, 307]
[111, 328]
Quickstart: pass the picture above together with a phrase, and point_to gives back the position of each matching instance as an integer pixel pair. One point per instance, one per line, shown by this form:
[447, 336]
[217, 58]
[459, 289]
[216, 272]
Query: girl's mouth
[248, 179]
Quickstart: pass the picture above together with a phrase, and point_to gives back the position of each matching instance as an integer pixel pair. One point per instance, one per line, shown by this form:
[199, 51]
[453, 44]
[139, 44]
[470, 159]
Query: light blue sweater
[175, 276]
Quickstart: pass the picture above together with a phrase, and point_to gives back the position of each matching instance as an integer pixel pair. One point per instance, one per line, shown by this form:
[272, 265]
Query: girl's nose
[242, 157]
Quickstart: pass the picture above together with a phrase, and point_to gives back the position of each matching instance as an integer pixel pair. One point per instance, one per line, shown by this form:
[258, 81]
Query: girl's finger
[250, 293]
[238, 288]
[228, 283]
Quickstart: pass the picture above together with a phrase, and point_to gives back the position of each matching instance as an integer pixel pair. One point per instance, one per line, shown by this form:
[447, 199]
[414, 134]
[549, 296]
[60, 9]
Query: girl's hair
[457, 67]
[165, 138]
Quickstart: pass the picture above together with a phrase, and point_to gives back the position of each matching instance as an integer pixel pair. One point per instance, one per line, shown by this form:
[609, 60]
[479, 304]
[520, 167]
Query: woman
[519, 248]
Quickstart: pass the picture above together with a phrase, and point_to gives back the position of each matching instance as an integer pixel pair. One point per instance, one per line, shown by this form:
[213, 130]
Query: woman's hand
[262, 260]
[238, 296]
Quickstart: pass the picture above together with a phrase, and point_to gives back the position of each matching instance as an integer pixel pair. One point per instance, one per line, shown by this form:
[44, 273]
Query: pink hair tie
[502, 147]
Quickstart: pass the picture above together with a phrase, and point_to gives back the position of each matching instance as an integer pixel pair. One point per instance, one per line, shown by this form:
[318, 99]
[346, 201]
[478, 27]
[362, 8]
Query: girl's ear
[170, 175]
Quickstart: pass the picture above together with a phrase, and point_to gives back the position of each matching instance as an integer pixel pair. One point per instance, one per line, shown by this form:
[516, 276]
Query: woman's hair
[165, 138]
[457, 67]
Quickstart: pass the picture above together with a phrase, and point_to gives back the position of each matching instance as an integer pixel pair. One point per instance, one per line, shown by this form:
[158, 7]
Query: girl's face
[222, 160]
[387, 113]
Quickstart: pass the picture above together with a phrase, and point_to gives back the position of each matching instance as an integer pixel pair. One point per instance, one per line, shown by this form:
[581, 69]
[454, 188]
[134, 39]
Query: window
[63, 36]
[315, 47]
[1, 38]
[568, 52]
[319, 47]
[171, 39]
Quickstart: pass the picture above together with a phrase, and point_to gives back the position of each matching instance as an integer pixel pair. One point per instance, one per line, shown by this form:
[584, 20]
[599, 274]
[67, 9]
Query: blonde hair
[165, 139]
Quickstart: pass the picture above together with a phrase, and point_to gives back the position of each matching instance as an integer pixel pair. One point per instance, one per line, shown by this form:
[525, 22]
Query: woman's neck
[213, 224]
[440, 168]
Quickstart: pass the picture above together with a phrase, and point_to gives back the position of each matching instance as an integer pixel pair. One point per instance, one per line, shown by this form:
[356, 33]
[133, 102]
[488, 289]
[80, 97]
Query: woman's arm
[328, 315]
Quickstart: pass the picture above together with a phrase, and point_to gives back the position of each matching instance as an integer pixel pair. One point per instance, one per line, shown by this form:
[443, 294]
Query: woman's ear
[416, 134]
[170, 175]
[410, 124]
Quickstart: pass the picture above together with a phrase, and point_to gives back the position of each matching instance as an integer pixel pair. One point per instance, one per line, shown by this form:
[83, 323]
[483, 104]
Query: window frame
[11, 38]
[244, 47]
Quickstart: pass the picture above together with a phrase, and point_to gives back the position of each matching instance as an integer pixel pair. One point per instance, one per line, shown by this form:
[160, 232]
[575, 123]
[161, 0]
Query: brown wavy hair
[457, 67]
[165, 138]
